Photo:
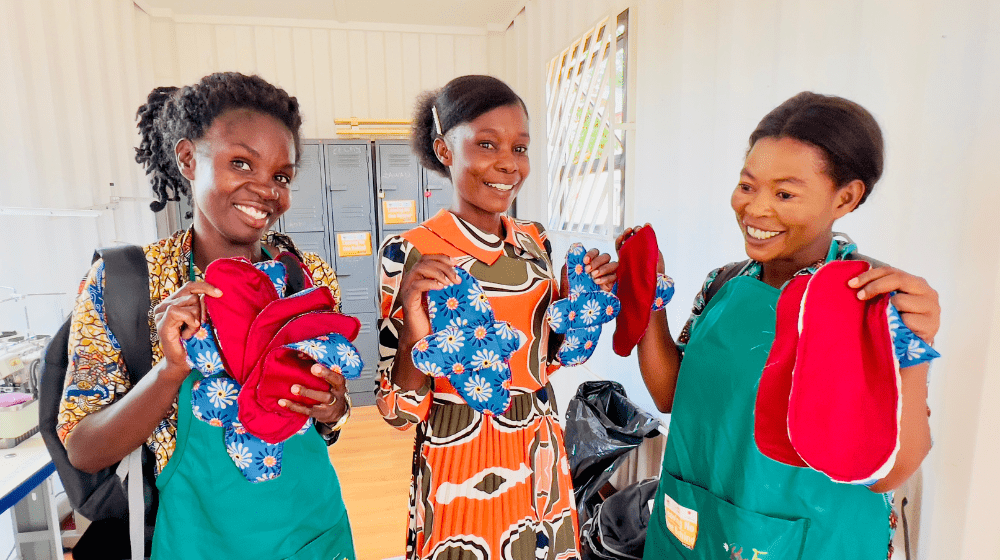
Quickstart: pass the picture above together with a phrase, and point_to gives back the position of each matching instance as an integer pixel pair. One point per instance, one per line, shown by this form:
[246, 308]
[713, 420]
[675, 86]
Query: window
[586, 100]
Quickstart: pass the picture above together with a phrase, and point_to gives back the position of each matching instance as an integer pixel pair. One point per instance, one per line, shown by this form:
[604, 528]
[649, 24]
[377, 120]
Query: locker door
[399, 189]
[352, 210]
[348, 174]
[305, 220]
[361, 389]
[438, 192]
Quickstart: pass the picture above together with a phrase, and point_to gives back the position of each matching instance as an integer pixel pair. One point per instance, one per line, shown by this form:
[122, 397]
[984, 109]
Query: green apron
[209, 510]
[720, 496]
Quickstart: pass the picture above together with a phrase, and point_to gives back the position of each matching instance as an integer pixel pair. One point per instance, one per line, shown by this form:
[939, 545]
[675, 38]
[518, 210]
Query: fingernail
[316, 369]
[853, 282]
[283, 402]
[861, 294]
[296, 389]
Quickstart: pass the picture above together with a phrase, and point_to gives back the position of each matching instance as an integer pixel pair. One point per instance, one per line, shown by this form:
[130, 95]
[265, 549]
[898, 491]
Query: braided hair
[171, 114]
[461, 100]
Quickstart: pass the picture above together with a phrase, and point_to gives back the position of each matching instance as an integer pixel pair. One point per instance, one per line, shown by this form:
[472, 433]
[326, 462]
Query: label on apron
[681, 521]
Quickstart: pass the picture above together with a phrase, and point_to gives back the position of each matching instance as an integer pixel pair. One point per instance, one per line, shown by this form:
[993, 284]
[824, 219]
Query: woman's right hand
[177, 318]
[629, 232]
[432, 272]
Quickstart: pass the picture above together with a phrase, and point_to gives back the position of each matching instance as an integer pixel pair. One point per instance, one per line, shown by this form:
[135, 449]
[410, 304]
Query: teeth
[500, 186]
[252, 212]
[761, 234]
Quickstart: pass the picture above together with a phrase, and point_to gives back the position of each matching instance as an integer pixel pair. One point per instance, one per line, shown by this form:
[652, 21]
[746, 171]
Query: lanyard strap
[191, 275]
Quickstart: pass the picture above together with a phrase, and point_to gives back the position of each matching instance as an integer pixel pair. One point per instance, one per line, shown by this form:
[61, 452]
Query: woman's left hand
[333, 403]
[915, 300]
[599, 266]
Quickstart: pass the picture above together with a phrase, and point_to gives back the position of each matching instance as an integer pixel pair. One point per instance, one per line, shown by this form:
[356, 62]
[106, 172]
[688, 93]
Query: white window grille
[585, 110]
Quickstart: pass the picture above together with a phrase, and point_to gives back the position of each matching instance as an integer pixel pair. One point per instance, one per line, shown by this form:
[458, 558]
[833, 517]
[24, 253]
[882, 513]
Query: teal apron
[719, 497]
[209, 510]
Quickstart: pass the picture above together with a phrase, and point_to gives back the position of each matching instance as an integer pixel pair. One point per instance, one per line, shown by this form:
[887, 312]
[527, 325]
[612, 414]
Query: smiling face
[786, 204]
[488, 161]
[240, 172]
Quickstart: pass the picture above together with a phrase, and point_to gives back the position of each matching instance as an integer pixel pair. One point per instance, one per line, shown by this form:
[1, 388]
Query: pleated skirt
[492, 487]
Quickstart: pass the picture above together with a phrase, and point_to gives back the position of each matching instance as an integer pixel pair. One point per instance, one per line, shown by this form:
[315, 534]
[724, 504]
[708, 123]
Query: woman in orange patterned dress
[484, 486]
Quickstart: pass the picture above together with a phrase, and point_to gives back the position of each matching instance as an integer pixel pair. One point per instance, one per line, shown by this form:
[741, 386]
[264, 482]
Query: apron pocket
[701, 525]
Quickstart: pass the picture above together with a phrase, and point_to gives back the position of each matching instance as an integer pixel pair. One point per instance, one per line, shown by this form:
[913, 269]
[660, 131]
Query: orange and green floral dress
[483, 486]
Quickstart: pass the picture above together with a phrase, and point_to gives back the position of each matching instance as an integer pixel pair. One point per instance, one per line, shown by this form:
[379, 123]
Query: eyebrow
[493, 131]
[792, 180]
[251, 150]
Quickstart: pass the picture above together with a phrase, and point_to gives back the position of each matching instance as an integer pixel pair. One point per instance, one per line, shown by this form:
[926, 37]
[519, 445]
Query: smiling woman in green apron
[811, 161]
[230, 143]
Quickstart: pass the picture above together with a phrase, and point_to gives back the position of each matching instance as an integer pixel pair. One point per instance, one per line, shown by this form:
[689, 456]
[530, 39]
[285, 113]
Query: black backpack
[101, 497]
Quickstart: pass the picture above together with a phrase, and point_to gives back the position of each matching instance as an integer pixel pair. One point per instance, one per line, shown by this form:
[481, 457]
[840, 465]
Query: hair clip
[437, 121]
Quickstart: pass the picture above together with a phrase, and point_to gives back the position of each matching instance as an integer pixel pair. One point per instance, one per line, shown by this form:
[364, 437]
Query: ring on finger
[333, 400]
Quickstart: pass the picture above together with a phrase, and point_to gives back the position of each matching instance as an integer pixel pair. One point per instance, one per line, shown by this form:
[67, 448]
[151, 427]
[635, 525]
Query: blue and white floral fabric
[910, 349]
[664, 292]
[581, 315]
[469, 346]
[214, 398]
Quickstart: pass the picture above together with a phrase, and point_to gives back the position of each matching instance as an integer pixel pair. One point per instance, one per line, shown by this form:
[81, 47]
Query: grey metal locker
[362, 389]
[438, 192]
[354, 241]
[398, 181]
[305, 221]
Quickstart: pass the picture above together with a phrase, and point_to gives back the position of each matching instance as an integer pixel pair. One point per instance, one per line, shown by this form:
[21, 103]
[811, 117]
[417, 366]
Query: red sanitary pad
[843, 394]
[636, 289]
[280, 368]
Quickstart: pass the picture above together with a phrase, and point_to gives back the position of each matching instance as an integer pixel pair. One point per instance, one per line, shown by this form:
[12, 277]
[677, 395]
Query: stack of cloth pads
[255, 346]
[468, 346]
[830, 395]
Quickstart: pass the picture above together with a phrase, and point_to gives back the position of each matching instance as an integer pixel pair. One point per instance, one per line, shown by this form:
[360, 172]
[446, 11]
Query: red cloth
[267, 324]
[844, 402]
[280, 368]
[636, 289]
[771, 410]
[246, 291]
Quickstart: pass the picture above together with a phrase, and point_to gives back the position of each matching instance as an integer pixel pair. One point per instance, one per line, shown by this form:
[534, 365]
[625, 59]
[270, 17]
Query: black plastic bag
[602, 425]
[618, 529]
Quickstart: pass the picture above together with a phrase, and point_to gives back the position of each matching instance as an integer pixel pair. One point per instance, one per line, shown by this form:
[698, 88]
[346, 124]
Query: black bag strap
[293, 267]
[126, 305]
[855, 256]
[727, 273]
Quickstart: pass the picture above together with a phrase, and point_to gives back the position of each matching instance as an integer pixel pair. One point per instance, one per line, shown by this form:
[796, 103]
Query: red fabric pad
[274, 375]
[245, 292]
[843, 411]
[771, 410]
[266, 325]
[636, 289]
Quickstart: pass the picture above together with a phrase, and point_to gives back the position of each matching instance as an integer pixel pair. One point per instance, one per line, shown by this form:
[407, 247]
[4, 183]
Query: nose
[757, 204]
[506, 162]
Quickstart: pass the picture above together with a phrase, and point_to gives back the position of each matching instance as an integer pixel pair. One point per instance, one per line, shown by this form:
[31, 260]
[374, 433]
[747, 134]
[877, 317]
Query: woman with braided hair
[230, 143]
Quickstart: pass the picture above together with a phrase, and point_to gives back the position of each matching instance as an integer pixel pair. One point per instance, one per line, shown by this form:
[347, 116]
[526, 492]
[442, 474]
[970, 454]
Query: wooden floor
[373, 462]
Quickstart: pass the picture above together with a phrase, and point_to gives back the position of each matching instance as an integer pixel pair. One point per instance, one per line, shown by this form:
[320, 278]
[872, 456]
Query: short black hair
[461, 100]
[844, 131]
[171, 114]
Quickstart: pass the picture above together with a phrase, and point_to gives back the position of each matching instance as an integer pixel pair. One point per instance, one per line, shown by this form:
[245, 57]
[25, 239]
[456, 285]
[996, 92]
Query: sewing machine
[20, 366]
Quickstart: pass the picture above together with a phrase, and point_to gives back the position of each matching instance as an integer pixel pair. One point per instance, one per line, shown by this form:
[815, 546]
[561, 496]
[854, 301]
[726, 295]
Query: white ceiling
[464, 13]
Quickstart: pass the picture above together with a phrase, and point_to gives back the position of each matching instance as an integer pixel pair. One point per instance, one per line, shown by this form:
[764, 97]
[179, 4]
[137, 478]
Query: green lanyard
[191, 275]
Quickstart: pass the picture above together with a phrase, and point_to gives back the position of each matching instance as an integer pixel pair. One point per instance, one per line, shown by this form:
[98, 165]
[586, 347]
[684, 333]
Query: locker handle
[381, 193]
